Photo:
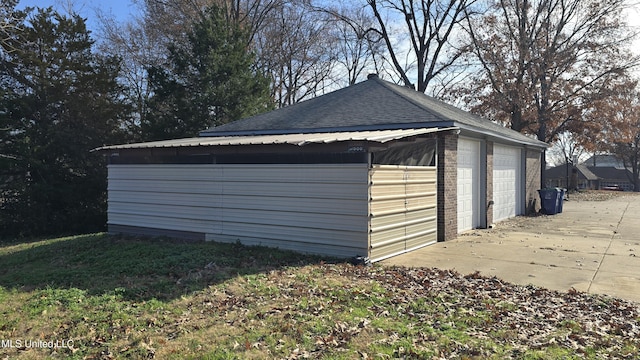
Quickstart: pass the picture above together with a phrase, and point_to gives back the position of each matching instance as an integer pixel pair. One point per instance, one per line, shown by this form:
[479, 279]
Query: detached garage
[334, 194]
[372, 170]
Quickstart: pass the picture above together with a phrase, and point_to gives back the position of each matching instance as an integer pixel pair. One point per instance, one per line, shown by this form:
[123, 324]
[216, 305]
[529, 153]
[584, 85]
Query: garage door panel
[506, 180]
[468, 192]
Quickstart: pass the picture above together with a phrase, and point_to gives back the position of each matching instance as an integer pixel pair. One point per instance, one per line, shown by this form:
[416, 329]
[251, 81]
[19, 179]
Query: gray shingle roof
[611, 173]
[373, 104]
[589, 172]
[605, 160]
[561, 172]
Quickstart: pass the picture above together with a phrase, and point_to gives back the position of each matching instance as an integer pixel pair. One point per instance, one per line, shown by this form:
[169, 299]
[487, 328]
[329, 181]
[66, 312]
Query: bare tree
[144, 40]
[174, 17]
[141, 43]
[294, 48]
[431, 26]
[9, 24]
[543, 62]
[136, 47]
[359, 47]
[567, 149]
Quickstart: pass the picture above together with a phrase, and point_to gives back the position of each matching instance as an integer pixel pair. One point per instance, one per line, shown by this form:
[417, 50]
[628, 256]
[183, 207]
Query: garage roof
[373, 104]
[301, 139]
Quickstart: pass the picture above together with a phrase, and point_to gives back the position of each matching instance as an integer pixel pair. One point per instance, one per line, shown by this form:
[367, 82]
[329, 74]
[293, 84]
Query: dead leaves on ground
[540, 317]
[372, 312]
[311, 310]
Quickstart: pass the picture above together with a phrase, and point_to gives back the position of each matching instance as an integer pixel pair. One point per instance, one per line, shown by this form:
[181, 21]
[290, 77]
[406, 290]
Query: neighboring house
[372, 170]
[589, 177]
[611, 171]
[606, 160]
[570, 177]
[613, 178]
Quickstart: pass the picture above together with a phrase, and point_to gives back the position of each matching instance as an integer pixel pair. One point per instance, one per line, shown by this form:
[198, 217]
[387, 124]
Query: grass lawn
[114, 297]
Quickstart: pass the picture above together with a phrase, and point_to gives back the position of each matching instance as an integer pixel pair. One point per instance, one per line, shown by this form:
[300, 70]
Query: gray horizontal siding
[136, 230]
[304, 207]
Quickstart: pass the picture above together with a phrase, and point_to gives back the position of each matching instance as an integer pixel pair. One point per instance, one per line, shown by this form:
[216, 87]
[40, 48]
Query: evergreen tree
[211, 80]
[60, 101]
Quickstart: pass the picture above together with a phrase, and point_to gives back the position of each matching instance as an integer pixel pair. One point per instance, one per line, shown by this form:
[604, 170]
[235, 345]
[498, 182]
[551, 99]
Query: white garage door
[506, 182]
[468, 184]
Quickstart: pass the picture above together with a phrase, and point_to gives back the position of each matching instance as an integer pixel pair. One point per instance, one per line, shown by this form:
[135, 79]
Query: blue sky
[121, 9]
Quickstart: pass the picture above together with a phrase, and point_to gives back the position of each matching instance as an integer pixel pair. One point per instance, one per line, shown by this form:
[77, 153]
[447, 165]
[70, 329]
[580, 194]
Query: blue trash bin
[550, 200]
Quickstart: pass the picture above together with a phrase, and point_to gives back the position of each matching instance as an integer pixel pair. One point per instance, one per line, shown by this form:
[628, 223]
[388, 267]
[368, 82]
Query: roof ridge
[287, 109]
[586, 171]
[395, 88]
[435, 101]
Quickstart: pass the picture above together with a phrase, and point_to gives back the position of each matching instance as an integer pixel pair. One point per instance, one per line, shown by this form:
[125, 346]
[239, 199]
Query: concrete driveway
[592, 246]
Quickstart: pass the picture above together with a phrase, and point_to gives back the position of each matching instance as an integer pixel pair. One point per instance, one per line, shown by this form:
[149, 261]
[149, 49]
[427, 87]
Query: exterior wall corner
[532, 181]
[447, 158]
[489, 185]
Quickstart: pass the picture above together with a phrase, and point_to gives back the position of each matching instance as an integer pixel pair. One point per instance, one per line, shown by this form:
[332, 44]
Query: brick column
[489, 177]
[532, 180]
[447, 187]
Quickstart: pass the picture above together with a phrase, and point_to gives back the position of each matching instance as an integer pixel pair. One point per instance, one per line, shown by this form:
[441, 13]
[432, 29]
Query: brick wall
[489, 192]
[448, 177]
[532, 181]
[448, 187]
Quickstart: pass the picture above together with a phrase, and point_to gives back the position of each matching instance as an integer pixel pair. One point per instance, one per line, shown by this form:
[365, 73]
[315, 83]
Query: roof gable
[588, 174]
[373, 104]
